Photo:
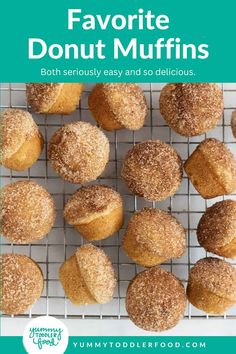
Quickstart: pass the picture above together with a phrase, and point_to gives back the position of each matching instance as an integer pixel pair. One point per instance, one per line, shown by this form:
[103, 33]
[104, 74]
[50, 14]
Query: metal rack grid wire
[62, 241]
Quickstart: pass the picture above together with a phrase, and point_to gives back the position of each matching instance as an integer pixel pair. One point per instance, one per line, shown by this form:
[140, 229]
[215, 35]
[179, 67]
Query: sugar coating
[216, 276]
[91, 201]
[28, 211]
[153, 170]
[79, 152]
[158, 232]
[155, 300]
[22, 283]
[17, 127]
[125, 103]
[42, 96]
[217, 227]
[191, 109]
[97, 271]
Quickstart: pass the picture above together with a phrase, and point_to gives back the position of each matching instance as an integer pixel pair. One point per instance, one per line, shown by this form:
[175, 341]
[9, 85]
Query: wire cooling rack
[62, 241]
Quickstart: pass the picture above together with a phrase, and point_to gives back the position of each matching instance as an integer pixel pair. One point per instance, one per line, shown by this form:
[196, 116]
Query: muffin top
[22, 283]
[158, 232]
[153, 170]
[41, 96]
[155, 300]
[217, 227]
[125, 102]
[79, 151]
[191, 108]
[215, 275]
[17, 127]
[28, 211]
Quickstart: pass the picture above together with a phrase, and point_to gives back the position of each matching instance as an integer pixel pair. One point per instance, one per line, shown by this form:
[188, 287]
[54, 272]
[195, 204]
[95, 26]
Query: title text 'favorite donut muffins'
[53, 98]
[95, 211]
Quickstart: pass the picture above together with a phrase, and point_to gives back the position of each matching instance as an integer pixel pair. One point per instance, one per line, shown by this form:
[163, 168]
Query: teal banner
[115, 345]
[115, 41]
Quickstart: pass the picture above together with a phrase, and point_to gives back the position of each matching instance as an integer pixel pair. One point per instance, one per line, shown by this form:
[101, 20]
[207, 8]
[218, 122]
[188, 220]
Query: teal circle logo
[45, 335]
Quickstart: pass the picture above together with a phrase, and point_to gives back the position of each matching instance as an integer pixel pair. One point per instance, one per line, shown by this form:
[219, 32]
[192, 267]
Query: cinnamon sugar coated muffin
[95, 211]
[21, 283]
[212, 285]
[153, 236]
[155, 300]
[212, 169]
[28, 212]
[216, 230]
[79, 152]
[152, 170]
[88, 276]
[21, 142]
[53, 98]
[118, 105]
[191, 109]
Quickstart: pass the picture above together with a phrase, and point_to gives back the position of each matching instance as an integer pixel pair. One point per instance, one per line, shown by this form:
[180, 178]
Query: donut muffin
[216, 230]
[152, 170]
[212, 285]
[53, 98]
[155, 300]
[95, 211]
[191, 109]
[28, 212]
[79, 152]
[88, 276]
[21, 283]
[212, 169]
[118, 106]
[22, 142]
[153, 236]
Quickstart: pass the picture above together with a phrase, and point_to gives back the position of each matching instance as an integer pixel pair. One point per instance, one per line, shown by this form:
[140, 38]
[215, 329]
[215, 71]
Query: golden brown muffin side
[73, 283]
[212, 169]
[90, 202]
[96, 211]
[22, 141]
[22, 283]
[103, 226]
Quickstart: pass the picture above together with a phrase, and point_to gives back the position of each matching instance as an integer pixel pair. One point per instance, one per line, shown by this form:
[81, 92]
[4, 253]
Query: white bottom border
[123, 327]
